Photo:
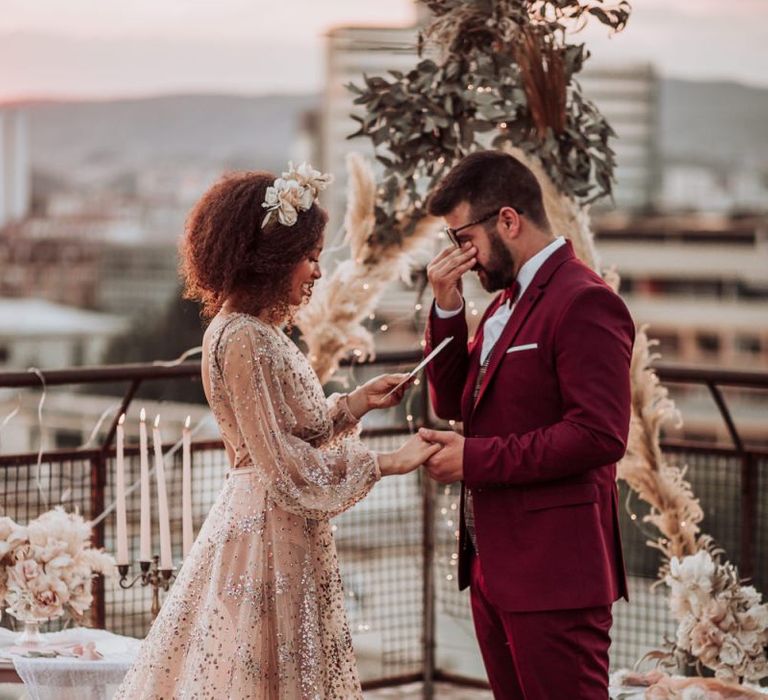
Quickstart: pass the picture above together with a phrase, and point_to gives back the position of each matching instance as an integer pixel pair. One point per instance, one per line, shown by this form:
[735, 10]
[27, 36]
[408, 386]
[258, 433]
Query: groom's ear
[509, 223]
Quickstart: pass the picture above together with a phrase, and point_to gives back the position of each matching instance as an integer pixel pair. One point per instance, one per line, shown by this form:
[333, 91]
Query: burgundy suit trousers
[549, 655]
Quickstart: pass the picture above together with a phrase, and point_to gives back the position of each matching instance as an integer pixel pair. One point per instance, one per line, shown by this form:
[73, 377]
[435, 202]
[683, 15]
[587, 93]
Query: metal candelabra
[150, 575]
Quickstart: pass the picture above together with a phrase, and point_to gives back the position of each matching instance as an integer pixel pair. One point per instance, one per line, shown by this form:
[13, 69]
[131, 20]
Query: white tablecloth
[66, 678]
[618, 691]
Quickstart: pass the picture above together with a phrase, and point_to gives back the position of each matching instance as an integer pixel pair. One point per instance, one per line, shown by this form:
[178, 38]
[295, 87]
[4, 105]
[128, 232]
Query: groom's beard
[500, 271]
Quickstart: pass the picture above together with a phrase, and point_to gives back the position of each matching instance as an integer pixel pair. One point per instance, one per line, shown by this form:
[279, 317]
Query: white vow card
[421, 365]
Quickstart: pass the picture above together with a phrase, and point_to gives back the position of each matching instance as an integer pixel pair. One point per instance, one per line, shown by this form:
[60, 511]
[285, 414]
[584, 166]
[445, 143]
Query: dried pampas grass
[675, 512]
[542, 73]
[331, 322]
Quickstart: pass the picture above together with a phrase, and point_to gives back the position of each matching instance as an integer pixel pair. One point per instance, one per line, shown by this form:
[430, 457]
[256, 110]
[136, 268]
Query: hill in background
[710, 123]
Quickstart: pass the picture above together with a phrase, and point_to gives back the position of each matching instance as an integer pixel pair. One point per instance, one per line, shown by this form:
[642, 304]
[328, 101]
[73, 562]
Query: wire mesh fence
[384, 547]
[381, 549]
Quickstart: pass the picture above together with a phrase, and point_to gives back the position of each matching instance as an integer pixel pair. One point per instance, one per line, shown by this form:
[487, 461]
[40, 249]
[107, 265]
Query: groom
[543, 390]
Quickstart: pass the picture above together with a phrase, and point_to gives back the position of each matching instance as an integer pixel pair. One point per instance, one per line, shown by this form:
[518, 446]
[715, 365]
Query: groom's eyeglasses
[453, 233]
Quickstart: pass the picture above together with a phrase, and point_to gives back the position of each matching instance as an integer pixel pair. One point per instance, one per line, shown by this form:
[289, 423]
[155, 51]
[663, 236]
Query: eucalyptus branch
[505, 77]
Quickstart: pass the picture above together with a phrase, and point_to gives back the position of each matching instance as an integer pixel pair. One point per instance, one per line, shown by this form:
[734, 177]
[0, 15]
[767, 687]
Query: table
[677, 686]
[68, 678]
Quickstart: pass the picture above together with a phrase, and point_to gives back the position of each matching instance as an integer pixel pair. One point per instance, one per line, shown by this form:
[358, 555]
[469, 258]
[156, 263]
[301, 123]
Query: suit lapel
[523, 308]
[521, 312]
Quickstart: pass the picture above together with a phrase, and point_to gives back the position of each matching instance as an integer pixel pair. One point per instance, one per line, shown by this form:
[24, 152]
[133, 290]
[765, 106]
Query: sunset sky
[103, 48]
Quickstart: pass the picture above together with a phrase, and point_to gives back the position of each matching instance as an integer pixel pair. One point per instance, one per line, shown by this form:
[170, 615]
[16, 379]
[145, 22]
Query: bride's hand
[413, 453]
[373, 394]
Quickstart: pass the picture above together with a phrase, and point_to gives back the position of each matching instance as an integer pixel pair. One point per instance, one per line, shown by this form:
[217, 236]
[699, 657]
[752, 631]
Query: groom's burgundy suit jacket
[542, 438]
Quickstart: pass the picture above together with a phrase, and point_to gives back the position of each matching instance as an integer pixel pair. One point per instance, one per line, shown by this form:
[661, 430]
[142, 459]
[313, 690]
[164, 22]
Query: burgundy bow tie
[510, 293]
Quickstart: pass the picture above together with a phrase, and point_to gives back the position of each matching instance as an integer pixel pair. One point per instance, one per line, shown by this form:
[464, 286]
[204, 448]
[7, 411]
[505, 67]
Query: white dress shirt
[494, 325]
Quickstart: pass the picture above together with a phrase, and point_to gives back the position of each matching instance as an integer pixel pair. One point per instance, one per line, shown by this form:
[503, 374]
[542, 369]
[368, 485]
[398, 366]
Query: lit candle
[122, 520]
[166, 560]
[145, 548]
[186, 488]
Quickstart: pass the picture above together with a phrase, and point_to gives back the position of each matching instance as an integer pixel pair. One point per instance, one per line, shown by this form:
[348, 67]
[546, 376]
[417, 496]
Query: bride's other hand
[411, 454]
[373, 394]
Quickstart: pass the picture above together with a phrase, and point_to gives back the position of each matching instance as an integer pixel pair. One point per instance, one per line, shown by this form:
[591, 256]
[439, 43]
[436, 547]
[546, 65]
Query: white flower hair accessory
[295, 191]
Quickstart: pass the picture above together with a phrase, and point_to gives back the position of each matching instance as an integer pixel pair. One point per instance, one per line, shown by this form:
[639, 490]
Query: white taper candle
[186, 489]
[145, 544]
[122, 520]
[166, 559]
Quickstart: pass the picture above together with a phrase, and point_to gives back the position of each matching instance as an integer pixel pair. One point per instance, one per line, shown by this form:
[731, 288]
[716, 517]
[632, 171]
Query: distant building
[700, 282]
[61, 269]
[737, 187]
[351, 53]
[38, 333]
[74, 262]
[15, 171]
[137, 280]
[628, 97]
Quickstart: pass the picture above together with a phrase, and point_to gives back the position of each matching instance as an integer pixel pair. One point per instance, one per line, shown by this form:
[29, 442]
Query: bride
[257, 610]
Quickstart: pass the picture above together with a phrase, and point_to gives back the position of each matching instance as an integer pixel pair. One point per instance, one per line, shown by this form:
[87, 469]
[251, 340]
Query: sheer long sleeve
[302, 478]
[343, 421]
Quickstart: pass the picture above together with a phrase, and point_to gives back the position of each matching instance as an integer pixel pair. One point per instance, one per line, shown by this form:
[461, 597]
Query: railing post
[749, 495]
[428, 621]
[98, 483]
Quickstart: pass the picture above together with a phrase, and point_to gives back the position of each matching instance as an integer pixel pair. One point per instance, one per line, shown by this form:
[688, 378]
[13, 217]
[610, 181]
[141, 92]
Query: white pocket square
[518, 348]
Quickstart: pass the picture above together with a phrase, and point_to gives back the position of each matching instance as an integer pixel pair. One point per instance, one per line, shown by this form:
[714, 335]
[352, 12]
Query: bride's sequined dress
[258, 608]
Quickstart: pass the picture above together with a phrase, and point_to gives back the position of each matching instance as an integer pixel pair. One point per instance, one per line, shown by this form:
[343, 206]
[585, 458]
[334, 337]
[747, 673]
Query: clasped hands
[440, 451]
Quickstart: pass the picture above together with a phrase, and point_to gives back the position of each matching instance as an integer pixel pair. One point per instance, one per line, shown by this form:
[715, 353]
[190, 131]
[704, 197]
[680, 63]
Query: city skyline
[146, 48]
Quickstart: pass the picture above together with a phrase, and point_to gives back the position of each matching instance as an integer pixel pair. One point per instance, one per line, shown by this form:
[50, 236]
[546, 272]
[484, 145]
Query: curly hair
[225, 253]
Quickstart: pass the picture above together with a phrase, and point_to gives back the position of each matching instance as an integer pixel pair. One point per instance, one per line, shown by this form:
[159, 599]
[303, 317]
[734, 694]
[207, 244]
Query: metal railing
[401, 537]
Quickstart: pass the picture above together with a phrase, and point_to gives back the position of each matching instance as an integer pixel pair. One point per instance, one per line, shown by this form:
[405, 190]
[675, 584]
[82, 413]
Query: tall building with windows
[628, 97]
[351, 54]
[699, 281]
[14, 167]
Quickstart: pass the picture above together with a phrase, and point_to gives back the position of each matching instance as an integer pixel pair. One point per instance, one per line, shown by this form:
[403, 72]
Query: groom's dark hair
[489, 180]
